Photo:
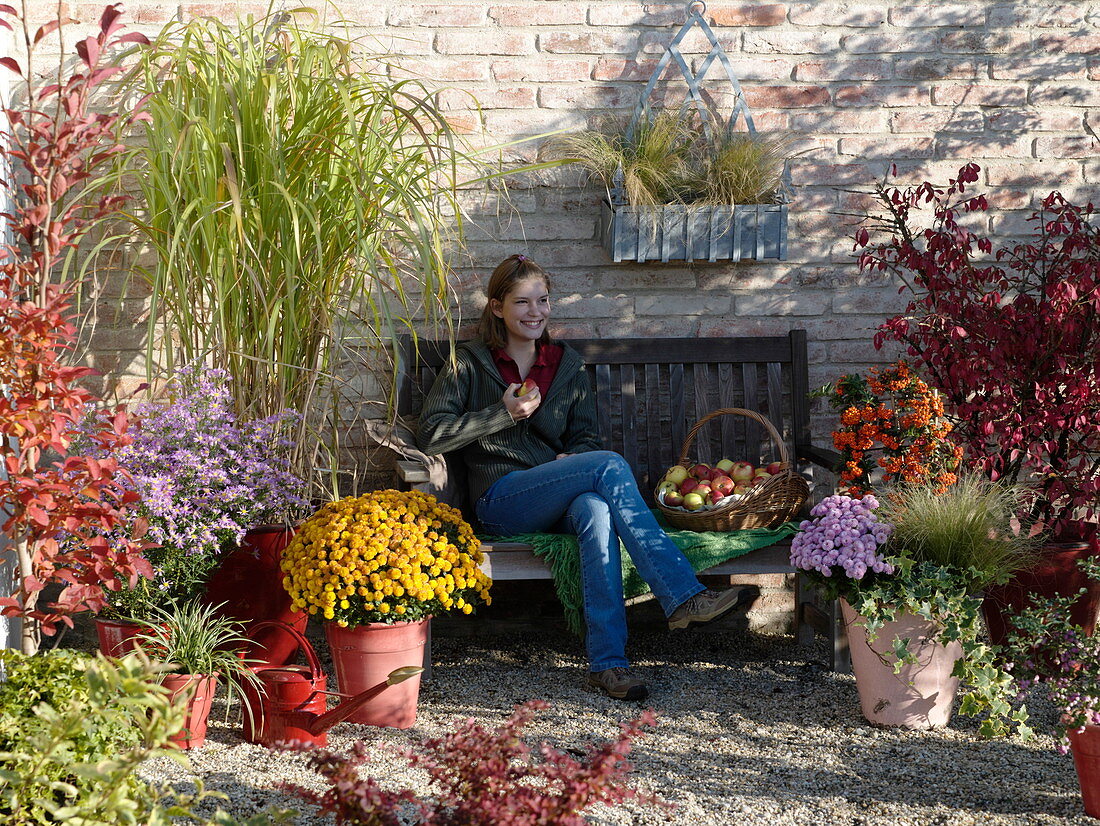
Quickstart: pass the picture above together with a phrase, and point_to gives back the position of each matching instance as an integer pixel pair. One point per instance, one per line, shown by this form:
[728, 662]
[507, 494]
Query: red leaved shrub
[1010, 336]
[485, 777]
[60, 508]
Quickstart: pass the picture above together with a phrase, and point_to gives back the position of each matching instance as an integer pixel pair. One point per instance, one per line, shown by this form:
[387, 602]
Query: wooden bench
[649, 393]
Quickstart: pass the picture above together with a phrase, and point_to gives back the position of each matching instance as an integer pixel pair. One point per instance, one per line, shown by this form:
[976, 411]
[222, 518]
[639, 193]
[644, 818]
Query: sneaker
[618, 683]
[708, 605]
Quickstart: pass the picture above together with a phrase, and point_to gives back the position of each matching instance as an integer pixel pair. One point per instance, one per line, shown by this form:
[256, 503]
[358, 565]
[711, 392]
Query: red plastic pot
[199, 689]
[1057, 575]
[365, 656]
[250, 584]
[116, 637]
[1085, 745]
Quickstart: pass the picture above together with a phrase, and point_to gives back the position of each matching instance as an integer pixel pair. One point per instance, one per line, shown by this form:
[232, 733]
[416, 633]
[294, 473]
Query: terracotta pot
[1057, 575]
[199, 689]
[116, 637]
[1085, 745]
[364, 656]
[922, 694]
[250, 584]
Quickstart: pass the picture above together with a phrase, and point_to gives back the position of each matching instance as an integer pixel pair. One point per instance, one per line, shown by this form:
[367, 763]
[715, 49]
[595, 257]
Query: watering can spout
[323, 722]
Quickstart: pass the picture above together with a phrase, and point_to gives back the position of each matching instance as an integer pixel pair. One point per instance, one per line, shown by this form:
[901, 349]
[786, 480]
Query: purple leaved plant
[844, 535]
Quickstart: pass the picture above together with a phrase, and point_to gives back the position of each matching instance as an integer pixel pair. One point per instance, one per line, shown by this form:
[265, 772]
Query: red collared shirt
[547, 359]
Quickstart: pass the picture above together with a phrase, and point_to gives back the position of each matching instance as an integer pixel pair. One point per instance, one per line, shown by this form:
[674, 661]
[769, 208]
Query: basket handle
[784, 456]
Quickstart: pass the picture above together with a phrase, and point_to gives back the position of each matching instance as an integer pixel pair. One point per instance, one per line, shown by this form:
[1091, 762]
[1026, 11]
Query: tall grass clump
[299, 205]
[744, 168]
[969, 527]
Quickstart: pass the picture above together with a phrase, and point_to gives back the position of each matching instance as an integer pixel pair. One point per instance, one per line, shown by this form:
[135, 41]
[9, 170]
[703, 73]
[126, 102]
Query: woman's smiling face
[524, 310]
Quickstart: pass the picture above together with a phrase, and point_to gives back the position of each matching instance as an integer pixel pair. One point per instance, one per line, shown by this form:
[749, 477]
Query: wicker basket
[766, 505]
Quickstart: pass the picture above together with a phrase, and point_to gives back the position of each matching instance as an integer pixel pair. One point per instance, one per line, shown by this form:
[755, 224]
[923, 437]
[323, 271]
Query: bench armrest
[820, 456]
[411, 473]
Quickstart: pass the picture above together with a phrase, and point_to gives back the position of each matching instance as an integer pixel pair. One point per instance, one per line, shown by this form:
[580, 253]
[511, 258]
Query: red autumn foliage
[486, 777]
[59, 507]
[1010, 337]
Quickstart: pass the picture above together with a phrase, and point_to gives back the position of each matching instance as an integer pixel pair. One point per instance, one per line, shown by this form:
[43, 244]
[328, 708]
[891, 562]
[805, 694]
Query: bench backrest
[651, 391]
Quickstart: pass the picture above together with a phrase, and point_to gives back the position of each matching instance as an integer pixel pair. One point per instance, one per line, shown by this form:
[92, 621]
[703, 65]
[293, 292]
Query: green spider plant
[299, 206]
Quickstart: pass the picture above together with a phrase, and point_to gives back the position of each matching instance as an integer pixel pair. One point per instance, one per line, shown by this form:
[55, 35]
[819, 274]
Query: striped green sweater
[464, 412]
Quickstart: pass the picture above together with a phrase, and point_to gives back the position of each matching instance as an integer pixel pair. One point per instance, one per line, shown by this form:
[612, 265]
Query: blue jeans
[596, 496]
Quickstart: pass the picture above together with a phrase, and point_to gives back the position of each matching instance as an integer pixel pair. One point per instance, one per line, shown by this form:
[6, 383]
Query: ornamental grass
[387, 556]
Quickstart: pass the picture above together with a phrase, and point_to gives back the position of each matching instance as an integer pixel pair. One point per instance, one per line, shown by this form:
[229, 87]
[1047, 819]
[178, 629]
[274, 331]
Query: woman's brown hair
[509, 272]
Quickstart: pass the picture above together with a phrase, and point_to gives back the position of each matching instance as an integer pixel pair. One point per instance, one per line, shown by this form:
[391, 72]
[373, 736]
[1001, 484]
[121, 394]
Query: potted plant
[909, 571]
[1009, 337]
[892, 429]
[681, 185]
[1047, 648]
[375, 568]
[336, 211]
[202, 647]
[205, 478]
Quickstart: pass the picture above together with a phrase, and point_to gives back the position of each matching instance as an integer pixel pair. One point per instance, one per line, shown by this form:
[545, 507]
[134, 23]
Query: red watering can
[289, 702]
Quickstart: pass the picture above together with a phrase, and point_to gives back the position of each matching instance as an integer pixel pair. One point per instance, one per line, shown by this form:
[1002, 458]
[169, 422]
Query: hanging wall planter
[689, 186]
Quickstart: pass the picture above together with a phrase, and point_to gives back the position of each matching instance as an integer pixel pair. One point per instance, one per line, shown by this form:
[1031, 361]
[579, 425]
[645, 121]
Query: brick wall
[1012, 85]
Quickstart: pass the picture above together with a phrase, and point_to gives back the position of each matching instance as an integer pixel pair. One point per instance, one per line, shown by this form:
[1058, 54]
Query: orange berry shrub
[894, 421]
[387, 556]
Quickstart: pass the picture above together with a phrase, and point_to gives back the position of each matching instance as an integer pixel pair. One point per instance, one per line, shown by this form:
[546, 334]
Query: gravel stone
[753, 730]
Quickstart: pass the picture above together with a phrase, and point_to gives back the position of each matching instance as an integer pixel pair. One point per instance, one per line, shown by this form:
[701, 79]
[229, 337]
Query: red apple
[741, 471]
[715, 497]
[725, 465]
[703, 488]
[757, 480]
[741, 490]
[701, 471]
[774, 468]
[673, 499]
[693, 501]
[688, 485]
[676, 474]
[723, 484]
[525, 388]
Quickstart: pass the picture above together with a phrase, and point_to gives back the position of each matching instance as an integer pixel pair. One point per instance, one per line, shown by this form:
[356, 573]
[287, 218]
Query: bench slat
[629, 419]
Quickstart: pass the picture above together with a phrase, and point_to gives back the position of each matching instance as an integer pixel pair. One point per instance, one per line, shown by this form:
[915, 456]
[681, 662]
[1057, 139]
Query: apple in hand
[774, 467]
[676, 474]
[693, 501]
[741, 471]
[525, 388]
[723, 484]
[725, 465]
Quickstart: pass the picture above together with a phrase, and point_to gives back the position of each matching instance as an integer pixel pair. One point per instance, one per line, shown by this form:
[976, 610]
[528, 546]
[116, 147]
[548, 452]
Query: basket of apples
[731, 495]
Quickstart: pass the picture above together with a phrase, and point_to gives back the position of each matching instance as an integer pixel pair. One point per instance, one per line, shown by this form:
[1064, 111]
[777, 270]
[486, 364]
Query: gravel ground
[753, 730]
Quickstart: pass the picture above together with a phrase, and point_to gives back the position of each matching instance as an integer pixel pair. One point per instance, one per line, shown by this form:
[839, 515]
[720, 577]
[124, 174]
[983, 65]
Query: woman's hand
[524, 406]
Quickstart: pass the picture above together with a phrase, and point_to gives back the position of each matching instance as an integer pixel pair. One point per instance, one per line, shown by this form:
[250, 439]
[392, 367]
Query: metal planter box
[676, 232]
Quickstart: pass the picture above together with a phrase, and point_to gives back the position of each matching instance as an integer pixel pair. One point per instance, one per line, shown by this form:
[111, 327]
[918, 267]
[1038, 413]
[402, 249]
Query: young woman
[519, 408]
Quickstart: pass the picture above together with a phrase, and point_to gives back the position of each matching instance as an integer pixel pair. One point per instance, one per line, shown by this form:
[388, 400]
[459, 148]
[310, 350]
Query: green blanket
[702, 549]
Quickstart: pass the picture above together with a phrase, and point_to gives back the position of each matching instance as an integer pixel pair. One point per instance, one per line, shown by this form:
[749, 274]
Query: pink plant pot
[199, 689]
[921, 695]
[364, 656]
[1085, 745]
[116, 637]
